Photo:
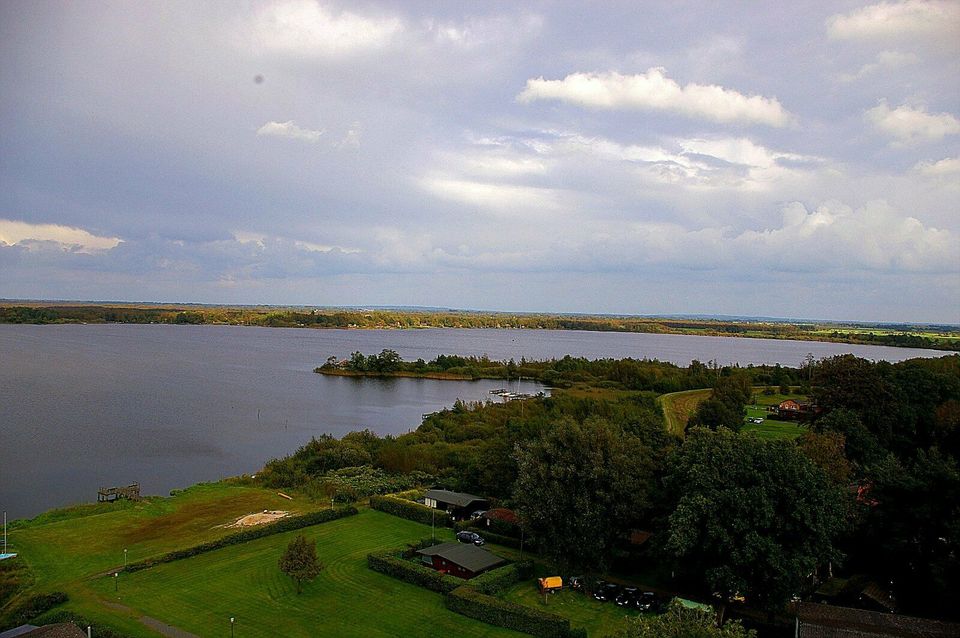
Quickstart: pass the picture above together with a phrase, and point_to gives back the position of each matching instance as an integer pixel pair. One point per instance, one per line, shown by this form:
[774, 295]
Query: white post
[88, 631]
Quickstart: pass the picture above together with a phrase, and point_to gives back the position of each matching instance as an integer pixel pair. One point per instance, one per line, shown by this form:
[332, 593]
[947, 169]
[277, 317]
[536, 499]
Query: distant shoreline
[925, 336]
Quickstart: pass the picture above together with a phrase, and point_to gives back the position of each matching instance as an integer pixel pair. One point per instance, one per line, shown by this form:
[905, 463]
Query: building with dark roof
[59, 630]
[459, 559]
[457, 504]
[827, 621]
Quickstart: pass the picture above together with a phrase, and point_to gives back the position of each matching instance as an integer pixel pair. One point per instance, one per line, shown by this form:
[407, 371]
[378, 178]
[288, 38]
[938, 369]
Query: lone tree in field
[300, 561]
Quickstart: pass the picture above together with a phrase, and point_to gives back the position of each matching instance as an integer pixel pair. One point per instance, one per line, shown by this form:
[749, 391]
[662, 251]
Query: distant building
[795, 410]
[459, 559]
[457, 504]
[826, 621]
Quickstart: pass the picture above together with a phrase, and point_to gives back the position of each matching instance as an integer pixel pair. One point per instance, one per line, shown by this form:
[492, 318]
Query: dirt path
[167, 630]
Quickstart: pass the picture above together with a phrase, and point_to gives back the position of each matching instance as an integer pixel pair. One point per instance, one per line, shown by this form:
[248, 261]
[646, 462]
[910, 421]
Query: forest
[870, 490]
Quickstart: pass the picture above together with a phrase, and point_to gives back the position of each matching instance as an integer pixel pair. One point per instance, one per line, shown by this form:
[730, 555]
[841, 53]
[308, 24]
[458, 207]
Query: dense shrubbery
[410, 510]
[351, 484]
[31, 607]
[496, 580]
[283, 525]
[469, 602]
[390, 563]
[14, 576]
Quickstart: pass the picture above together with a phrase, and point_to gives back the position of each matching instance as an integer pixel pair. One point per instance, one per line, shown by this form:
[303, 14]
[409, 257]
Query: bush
[410, 510]
[32, 607]
[283, 525]
[391, 564]
[496, 580]
[494, 611]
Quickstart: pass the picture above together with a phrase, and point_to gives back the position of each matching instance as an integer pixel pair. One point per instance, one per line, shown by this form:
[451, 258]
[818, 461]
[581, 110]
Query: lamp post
[231, 626]
[116, 581]
[124, 557]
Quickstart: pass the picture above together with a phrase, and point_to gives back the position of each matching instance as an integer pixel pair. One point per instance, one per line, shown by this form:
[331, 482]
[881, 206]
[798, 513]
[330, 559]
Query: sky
[796, 159]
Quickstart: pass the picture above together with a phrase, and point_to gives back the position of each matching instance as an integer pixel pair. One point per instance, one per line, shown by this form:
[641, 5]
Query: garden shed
[458, 559]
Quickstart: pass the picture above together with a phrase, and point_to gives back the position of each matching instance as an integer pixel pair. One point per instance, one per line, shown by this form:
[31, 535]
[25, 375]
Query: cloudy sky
[795, 159]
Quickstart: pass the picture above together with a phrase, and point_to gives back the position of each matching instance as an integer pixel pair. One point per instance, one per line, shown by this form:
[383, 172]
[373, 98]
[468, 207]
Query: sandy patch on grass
[258, 518]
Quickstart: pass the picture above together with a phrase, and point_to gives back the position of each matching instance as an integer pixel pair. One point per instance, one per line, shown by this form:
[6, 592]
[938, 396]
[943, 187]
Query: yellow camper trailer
[550, 583]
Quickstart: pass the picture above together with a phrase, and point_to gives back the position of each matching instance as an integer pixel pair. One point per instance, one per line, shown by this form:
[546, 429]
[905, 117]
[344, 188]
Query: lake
[83, 406]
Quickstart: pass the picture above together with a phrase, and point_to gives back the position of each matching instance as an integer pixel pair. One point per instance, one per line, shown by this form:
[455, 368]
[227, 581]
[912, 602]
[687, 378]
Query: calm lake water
[169, 406]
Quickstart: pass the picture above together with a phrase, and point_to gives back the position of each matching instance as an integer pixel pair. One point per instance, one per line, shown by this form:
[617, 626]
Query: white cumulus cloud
[306, 28]
[654, 91]
[884, 61]
[289, 129]
[894, 20]
[946, 167]
[75, 239]
[909, 125]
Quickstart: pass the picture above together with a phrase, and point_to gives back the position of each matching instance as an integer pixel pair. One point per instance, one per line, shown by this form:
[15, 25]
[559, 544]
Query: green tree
[300, 561]
[681, 622]
[726, 405]
[750, 516]
[826, 451]
[581, 486]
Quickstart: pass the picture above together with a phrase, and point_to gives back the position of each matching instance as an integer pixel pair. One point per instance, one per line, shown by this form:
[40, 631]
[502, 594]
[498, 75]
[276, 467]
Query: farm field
[201, 593]
[678, 406]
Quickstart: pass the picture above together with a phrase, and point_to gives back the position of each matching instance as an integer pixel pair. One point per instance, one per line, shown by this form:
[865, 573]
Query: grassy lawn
[678, 406]
[200, 594]
[581, 609]
[65, 548]
[770, 429]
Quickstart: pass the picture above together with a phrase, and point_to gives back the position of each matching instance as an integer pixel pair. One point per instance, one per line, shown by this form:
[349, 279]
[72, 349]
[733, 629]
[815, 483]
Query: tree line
[936, 337]
[871, 487]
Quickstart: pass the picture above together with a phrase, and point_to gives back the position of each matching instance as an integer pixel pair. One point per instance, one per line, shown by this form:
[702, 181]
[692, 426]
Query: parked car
[470, 537]
[576, 582]
[606, 591]
[648, 601]
[628, 597]
[474, 516]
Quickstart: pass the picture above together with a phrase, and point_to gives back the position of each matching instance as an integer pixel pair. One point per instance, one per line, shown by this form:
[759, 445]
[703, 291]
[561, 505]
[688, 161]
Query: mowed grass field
[65, 548]
[678, 406]
[201, 593]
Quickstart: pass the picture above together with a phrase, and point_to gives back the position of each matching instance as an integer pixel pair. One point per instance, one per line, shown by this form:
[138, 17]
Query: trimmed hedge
[496, 580]
[468, 602]
[410, 510]
[388, 563]
[31, 607]
[283, 525]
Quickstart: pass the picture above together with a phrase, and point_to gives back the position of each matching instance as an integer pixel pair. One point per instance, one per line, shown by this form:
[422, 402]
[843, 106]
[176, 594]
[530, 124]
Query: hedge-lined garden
[410, 510]
[475, 598]
[494, 611]
[391, 564]
[283, 525]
